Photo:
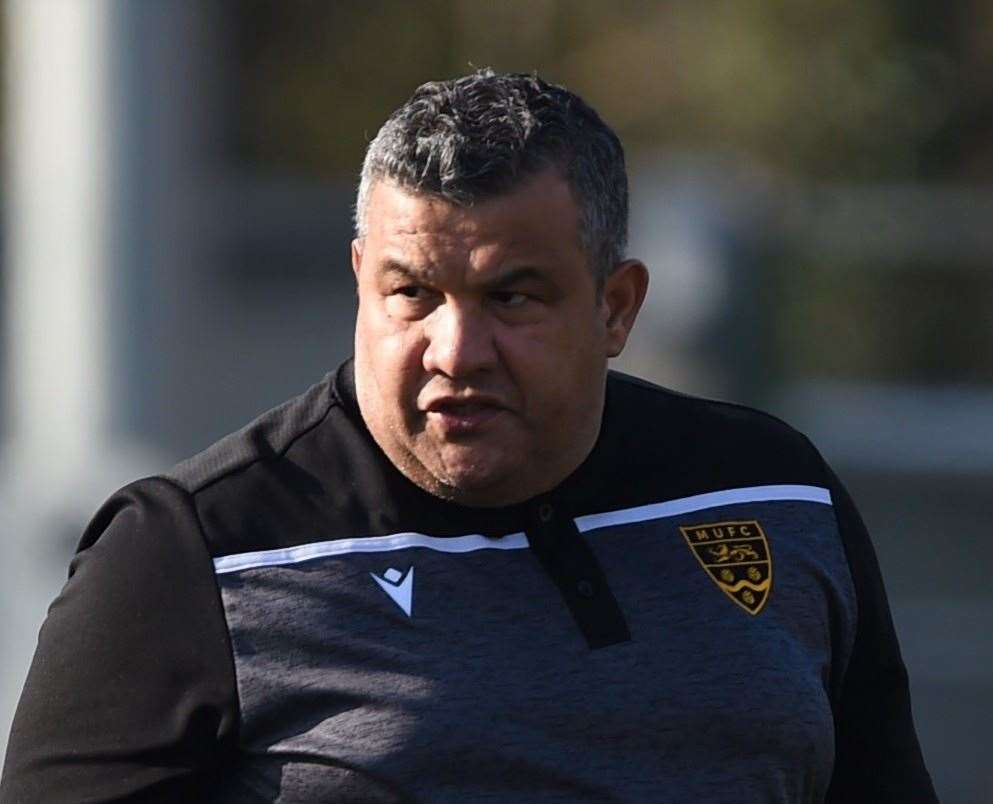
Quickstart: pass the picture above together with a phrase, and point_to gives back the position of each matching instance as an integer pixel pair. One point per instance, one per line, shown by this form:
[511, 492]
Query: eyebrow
[511, 277]
[516, 275]
[395, 267]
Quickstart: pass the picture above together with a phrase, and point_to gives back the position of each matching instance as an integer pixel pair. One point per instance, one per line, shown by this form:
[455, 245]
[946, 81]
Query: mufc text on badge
[737, 558]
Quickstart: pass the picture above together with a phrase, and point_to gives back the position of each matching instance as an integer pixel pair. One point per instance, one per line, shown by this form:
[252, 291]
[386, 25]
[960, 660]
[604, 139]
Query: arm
[877, 755]
[131, 694]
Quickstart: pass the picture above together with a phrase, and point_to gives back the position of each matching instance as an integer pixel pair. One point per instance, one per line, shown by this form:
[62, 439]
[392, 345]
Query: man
[470, 565]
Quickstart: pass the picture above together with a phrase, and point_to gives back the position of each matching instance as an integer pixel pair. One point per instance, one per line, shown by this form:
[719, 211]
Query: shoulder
[285, 478]
[715, 443]
[267, 437]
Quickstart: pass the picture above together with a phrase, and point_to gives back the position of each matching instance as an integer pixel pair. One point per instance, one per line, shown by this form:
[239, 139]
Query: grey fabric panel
[488, 691]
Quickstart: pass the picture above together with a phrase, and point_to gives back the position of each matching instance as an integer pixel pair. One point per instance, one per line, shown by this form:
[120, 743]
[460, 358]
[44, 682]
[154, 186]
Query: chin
[474, 482]
[472, 479]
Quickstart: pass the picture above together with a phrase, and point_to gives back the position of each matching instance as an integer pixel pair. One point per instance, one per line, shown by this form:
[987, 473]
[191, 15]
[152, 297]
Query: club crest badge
[736, 556]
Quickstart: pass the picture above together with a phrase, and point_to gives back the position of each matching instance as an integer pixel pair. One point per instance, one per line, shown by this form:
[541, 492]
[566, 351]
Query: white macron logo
[399, 587]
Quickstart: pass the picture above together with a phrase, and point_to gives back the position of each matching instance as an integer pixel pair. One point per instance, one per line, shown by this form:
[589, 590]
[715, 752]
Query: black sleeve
[131, 694]
[877, 756]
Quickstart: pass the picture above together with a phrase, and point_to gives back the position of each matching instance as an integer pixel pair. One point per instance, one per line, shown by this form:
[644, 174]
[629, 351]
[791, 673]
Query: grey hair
[481, 135]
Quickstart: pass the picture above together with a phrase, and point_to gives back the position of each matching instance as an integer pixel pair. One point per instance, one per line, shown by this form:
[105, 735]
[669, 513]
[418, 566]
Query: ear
[356, 257]
[623, 293]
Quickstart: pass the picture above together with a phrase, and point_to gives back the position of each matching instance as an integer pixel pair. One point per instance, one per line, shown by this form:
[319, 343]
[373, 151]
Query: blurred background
[812, 186]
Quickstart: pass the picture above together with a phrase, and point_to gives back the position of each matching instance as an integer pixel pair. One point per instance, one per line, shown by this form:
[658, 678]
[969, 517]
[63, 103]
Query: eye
[412, 292]
[509, 298]
[410, 302]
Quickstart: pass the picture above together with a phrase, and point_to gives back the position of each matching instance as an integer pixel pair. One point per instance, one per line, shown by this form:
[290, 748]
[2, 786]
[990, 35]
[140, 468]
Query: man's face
[480, 345]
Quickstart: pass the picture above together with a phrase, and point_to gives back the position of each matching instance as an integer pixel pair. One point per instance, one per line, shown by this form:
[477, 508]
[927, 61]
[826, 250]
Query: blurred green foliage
[843, 89]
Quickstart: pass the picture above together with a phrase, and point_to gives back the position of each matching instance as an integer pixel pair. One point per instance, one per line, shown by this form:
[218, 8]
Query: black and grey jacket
[695, 615]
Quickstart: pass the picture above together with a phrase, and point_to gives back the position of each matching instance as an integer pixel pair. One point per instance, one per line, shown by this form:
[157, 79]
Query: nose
[460, 341]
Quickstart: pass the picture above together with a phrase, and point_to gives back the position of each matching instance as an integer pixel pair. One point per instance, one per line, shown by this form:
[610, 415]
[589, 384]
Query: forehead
[538, 219]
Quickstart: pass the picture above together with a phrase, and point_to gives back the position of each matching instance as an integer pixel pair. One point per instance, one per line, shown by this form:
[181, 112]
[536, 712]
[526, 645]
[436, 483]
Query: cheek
[388, 343]
[394, 357]
[564, 342]
[552, 366]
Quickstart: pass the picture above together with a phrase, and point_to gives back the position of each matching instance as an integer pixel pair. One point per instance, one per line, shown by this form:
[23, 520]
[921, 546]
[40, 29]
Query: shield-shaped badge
[736, 556]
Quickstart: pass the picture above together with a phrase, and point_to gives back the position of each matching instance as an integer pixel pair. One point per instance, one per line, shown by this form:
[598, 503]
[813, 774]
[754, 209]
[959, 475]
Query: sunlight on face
[480, 345]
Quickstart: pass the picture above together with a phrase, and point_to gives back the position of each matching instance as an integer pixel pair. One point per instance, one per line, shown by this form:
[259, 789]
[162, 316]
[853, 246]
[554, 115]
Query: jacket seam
[332, 404]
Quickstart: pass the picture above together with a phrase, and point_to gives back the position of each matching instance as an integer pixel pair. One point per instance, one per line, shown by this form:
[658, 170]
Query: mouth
[457, 416]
